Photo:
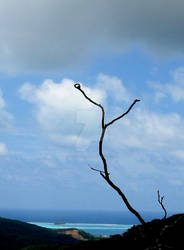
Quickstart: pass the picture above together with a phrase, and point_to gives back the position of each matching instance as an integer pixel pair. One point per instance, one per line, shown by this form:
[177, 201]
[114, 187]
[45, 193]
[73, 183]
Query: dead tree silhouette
[160, 201]
[104, 173]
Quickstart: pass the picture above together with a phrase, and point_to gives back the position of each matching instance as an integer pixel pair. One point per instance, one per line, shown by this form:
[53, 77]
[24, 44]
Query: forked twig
[160, 201]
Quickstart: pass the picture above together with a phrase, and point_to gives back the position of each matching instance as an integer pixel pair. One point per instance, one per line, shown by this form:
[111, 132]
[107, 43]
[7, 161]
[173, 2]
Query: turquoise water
[94, 222]
[95, 229]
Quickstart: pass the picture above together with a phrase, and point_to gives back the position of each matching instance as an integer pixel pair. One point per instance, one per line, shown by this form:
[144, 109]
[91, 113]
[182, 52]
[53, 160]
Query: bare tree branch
[105, 173]
[160, 200]
[121, 116]
[77, 86]
[97, 170]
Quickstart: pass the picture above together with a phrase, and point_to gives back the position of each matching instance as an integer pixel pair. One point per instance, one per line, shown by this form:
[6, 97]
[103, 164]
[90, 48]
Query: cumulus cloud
[44, 35]
[114, 88]
[147, 145]
[174, 89]
[144, 145]
[2, 101]
[151, 131]
[3, 149]
[5, 117]
[62, 111]
[69, 118]
[179, 154]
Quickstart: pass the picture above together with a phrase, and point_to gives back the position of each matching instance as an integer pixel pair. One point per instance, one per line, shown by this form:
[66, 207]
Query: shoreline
[95, 229]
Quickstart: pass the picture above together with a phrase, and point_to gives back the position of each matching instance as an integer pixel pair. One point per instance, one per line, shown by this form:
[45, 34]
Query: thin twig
[78, 86]
[121, 116]
[160, 200]
[97, 170]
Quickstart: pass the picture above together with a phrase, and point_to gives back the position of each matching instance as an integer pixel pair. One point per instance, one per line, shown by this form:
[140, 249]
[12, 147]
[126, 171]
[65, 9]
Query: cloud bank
[49, 36]
[68, 117]
[173, 89]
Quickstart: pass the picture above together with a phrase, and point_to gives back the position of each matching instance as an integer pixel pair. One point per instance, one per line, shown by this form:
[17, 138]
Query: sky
[118, 51]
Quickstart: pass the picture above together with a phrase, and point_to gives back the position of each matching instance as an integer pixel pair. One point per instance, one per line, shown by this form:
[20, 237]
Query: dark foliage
[16, 235]
[155, 235]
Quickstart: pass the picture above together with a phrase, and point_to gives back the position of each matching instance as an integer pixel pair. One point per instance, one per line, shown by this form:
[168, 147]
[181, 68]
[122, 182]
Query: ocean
[94, 229]
[94, 222]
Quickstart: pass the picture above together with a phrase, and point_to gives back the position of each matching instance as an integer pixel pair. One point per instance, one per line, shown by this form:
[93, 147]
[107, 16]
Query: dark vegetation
[157, 234]
[154, 235]
[84, 234]
[16, 235]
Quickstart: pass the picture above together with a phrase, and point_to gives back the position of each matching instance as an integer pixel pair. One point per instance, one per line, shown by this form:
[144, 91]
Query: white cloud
[5, 117]
[46, 36]
[143, 145]
[114, 88]
[150, 132]
[27, 92]
[176, 182]
[66, 115]
[174, 89]
[179, 154]
[3, 149]
[2, 102]
[62, 110]
[68, 118]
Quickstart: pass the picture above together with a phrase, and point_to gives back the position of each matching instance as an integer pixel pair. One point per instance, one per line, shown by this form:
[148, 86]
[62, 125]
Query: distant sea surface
[94, 222]
[95, 229]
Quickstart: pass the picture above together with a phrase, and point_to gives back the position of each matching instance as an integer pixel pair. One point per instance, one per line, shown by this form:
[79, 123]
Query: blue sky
[118, 51]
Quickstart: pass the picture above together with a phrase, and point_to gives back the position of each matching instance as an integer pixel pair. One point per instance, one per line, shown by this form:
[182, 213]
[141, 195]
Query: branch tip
[77, 86]
[137, 100]
[100, 171]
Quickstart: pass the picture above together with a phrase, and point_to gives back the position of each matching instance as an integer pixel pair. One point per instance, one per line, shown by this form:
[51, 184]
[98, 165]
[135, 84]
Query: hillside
[157, 234]
[154, 235]
[16, 235]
